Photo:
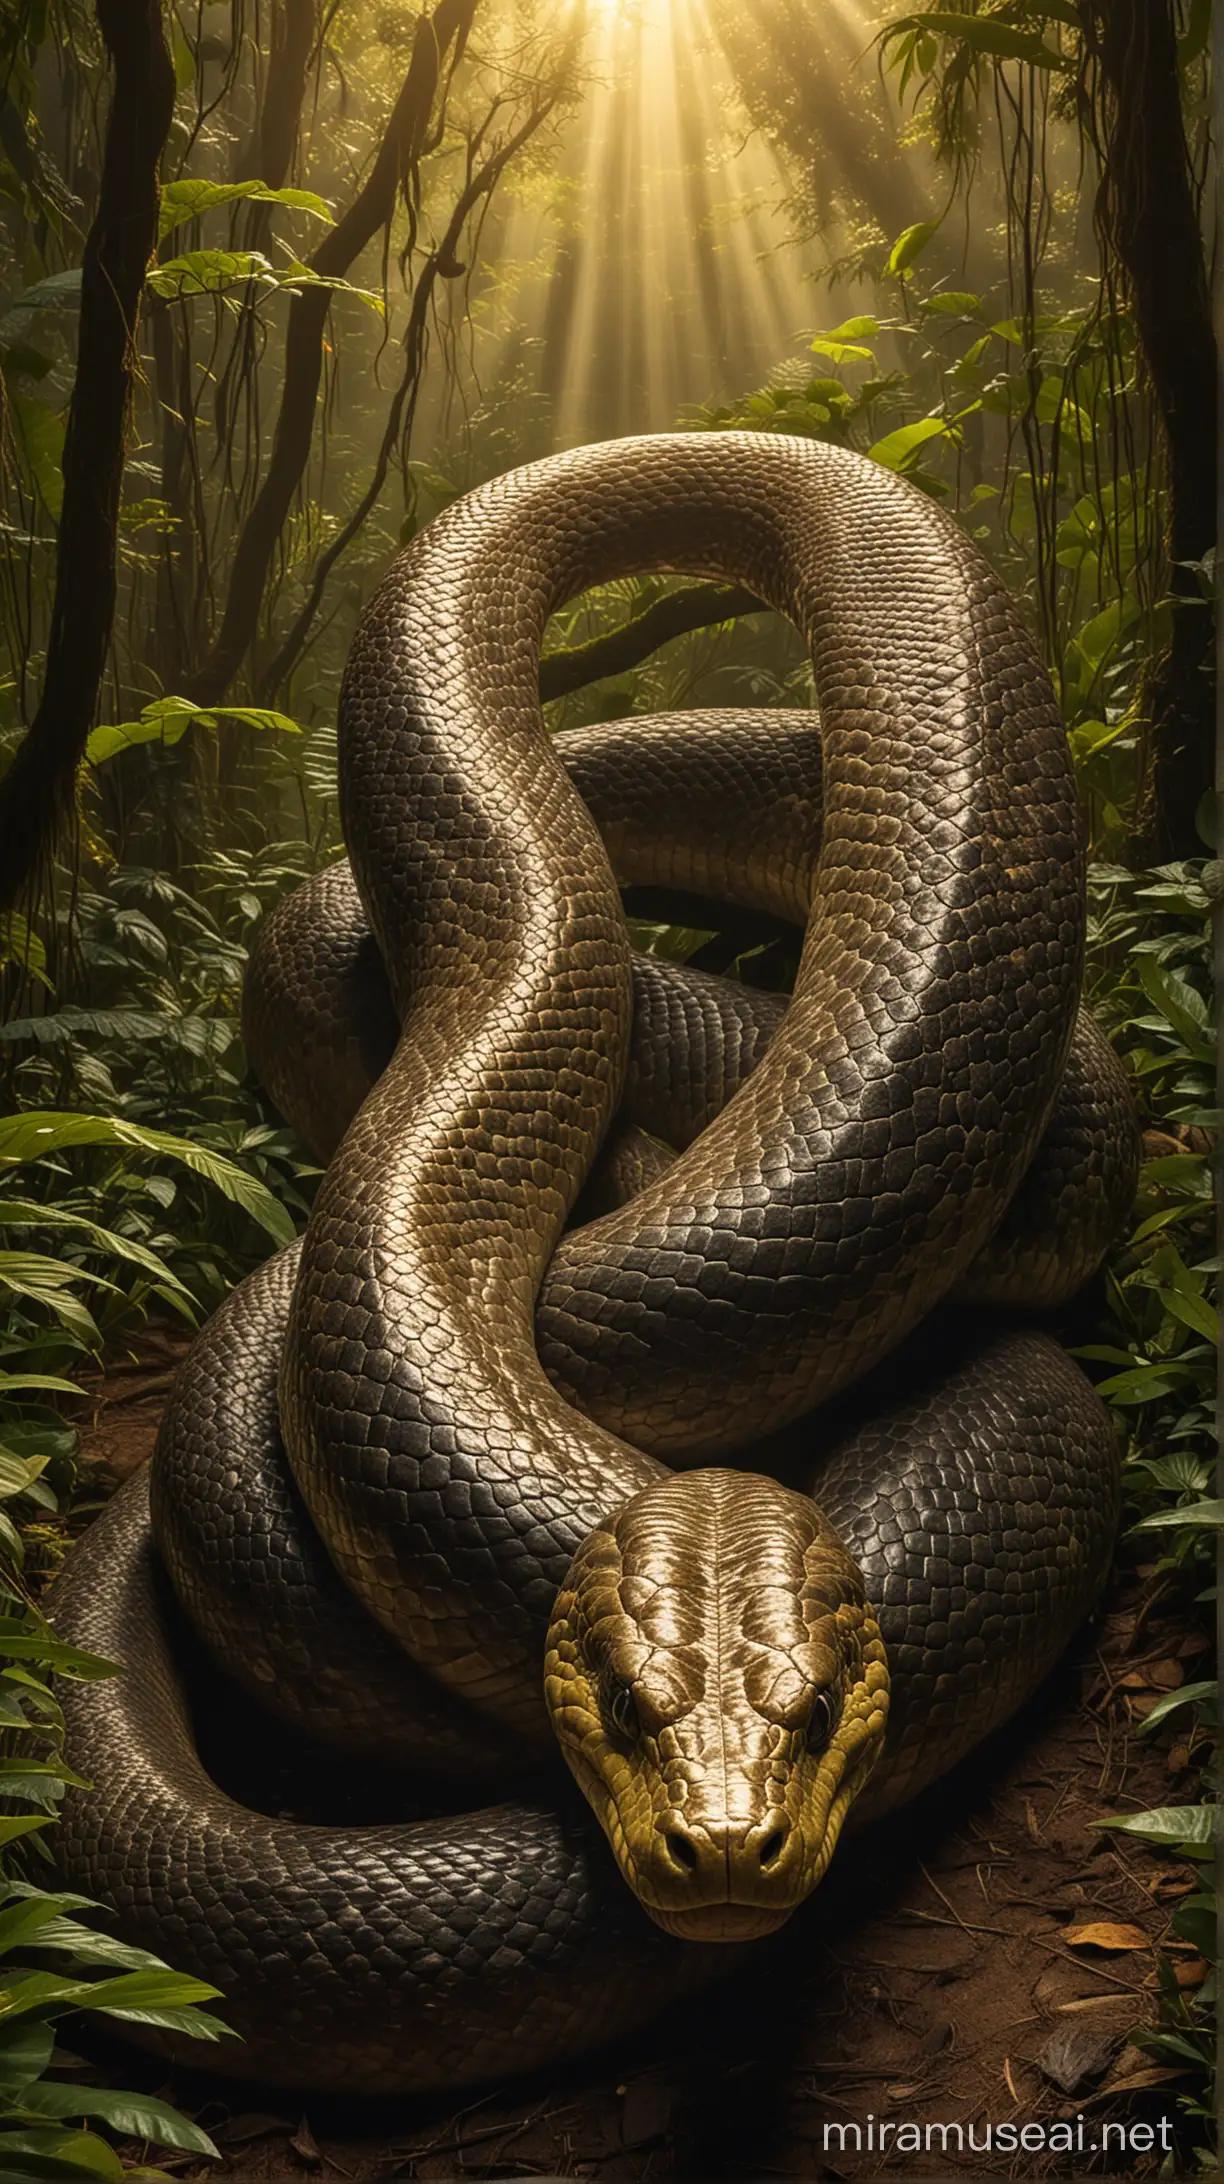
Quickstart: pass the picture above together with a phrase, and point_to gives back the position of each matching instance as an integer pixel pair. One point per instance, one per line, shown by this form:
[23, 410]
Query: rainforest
[672, 1631]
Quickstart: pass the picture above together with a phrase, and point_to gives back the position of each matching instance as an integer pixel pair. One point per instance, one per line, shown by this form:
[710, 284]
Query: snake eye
[620, 1707]
[823, 1719]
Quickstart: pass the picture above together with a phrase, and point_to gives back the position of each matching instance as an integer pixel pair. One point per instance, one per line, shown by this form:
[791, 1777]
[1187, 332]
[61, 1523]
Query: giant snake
[453, 1482]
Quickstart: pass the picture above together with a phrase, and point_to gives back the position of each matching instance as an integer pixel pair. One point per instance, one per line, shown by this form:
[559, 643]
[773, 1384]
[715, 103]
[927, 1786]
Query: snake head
[719, 1688]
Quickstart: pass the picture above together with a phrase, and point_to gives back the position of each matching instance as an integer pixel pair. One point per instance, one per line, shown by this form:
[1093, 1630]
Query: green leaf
[897, 448]
[25, 2051]
[16, 1383]
[39, 1131]
[854, 329]
[13, 1825]
[995, 40]
[27, 1213]
[22, 1920]
[1185, 1008]
[88, 1946]
[910, 245]
[839, 352]
[182, 201]
[39, 432]
[209, 273]
[954, 303]
[1192, 46]
[65, 1660]
[184, 54]
[1192, 1311]
[1189, 1513]
[135, 2115]
[58, 2153]
[167, 719]
[1170, 1824]
[1191, 1694]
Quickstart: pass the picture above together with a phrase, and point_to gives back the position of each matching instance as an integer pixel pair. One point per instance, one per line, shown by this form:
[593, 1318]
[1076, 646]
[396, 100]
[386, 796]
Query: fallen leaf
[1138, 2078]
[241, 2129]
[1190, 1974]
[1077, 2055]
[1124, 2000]
[1102, 1934]
[303, 2144]
[1157, 1676]
[646, 2112]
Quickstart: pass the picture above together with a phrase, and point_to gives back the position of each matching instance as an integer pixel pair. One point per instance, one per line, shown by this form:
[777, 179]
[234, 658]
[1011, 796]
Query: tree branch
[702, 606]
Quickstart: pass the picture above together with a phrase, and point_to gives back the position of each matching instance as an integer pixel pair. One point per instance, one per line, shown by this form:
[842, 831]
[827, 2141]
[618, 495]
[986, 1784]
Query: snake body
[449, 1428]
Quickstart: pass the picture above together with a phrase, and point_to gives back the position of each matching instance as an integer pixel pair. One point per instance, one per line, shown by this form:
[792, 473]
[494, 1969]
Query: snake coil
[453, 1482]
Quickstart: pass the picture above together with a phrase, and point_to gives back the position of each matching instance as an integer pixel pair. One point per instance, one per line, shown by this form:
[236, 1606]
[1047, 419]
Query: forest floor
[984, 1958]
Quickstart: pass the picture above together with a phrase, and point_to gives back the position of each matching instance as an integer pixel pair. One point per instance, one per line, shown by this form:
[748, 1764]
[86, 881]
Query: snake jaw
[719, 1688]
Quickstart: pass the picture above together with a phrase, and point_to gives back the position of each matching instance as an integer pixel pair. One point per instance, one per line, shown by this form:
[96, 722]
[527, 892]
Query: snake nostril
[773, 1846]
[680, 1850]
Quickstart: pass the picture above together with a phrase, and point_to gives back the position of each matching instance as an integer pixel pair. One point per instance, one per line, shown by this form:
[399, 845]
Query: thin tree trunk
[1149, 219]
[37, 791]
[403, 145]
[269, 155]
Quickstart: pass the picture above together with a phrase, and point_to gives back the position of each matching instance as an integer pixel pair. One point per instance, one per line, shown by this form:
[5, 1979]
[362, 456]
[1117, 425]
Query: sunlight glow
[663, 270]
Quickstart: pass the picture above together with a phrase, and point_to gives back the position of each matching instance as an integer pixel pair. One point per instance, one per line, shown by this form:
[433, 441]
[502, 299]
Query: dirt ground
[981, 1959]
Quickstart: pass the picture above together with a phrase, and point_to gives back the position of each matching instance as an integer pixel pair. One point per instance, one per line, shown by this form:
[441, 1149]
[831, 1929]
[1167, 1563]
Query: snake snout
[722, 1881]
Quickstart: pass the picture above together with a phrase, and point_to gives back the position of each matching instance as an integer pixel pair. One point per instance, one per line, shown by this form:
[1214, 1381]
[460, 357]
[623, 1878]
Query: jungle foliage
[185, 545]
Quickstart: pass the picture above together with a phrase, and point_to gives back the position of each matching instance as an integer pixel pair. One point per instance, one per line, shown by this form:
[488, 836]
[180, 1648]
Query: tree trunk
[1149, 220]
[36, 793]
[269, 155]
[402, 147]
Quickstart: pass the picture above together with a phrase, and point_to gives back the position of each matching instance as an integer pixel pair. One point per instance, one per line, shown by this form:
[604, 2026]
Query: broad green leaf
[1191, 1694]
[839, 352]
[896, 449]
[149, 1990]
[26, 2049]
[953, 303]
[65, 1660]
[39, 1131]
[20, 944]
[27, 1213]
[1192, 1311]
[17, 1383]
[183, 53]
[209, 273]
[994, 39]
[182, 201]
[1189, 1513]
[192, 2023]
[910, 245]
[1185, 1008]
[39, 432]
[13, 1825]
[136, 2115]
[90, 1947]
[167, 719]
[58, 2153]
[20, 1921]
[1170, 1824]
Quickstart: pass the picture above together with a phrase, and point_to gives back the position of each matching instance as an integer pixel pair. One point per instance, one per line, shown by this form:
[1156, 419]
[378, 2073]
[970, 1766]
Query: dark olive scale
[437, 1479]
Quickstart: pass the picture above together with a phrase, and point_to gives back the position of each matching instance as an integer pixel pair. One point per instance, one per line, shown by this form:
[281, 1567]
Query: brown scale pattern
[862, 1164]
[867, 1157]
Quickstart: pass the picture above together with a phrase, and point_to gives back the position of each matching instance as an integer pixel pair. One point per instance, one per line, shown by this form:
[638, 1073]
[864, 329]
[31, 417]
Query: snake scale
[598, 1406]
